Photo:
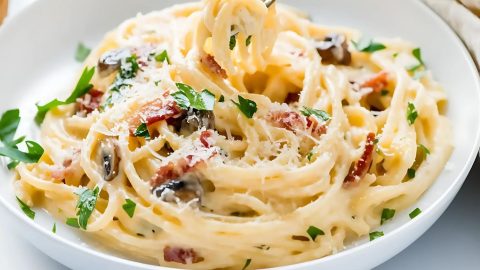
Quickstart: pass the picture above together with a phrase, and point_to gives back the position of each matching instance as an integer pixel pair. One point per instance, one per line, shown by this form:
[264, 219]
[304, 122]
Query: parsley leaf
[314, 232]
[233, 42]
[26, 209]
[35, 152]
[323, 115]
[86, 204]
[73, 222]
[221, 99]
[424, 149]
[142, 131]
[411, 173]
[375, 235]
[129, 207]
[368, 45]
[8, 125]
[384, 92]
[162, 57]
[54, 229]
[247, 107]
[187, 97]
[248, 41]
[247, 263]
[309, 156]
[82, 52]
[412, 113]
[82, 87]
[387, 214]
[129, 67]
[415, 213]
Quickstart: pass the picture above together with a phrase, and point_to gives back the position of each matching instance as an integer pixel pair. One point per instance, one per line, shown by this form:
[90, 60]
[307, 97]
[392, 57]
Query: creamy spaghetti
[225, 134]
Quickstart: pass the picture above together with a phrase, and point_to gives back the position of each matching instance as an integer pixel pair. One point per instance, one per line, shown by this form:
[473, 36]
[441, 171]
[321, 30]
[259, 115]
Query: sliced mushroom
[334, 50]
[109, 159]
[110, 61]
[185, 189]
[196, 119]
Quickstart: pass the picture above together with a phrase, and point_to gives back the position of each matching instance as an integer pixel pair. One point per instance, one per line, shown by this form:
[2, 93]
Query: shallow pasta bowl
[37, 63]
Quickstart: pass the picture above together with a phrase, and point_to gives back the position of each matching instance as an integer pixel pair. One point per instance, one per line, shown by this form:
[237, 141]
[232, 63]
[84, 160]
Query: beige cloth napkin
[461, 15]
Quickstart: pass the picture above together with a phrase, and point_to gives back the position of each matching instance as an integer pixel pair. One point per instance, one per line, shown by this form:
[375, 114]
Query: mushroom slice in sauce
[186, 188]
[110, 61]
[197, 119]
[334, 50]
[109, 159]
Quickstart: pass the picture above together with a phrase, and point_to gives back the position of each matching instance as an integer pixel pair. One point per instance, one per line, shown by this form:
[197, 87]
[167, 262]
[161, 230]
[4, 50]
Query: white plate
[36, 52]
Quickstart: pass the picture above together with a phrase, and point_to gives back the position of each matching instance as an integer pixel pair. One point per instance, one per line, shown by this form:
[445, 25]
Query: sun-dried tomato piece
[361, 167]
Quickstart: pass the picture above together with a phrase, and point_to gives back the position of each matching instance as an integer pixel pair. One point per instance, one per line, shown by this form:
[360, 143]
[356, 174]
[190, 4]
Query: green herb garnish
[54, 229]
[412, 113]
[86, 204]
[8, 125]
[82, 87]
[221, 99]
[26, 209]
[162, 57]
[375, 235]
[368, 45]
[35, 152]
[417, 53]
[82, 52]
[142, 131]
[187, 97]
[233, 42]
[387, 214]
[73, 222]
[247, 263]
[384, 92]
[314, 232]
[129, 207]
[411, 173]
[247, 107]
[323, 115]
[129, 67]
[424, 149]
[415, 213]
[248, 41]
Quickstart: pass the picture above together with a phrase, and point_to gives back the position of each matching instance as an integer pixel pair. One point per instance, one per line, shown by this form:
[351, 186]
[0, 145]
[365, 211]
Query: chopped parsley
[247, 263]
[424, 149]
[33, 154]
[411, 173]
[129, 67]
[86, 204]
[368, 45]
[82, 87]
[186, 97]
[247, 107]
[54, 229]
[82, 52]
[415, 213]
[248, 41]
[395, 55]
[221, 99]
[8, 125]
[318, 113]
[417, 53]
[142, 131]
[412, 113]
[26, 209]
[387, 214]
[309, 156]
[384, 92]
[73, 222]
[162, 57]
[233, 42]
[375, 235]
[314, 232]
[129, 207]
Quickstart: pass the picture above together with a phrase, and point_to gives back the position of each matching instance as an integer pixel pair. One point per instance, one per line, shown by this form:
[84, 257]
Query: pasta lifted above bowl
[230, 134]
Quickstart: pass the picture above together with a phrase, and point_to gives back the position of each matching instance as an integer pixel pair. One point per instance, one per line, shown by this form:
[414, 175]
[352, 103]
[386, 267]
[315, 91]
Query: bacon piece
[316, 128]
[361, 167]
[288, 120]
[90, 101]
[377, 82]
[292, 97]
[153, 112]
[212, 65]
[204, 136]
[181, 255]
[164, 174]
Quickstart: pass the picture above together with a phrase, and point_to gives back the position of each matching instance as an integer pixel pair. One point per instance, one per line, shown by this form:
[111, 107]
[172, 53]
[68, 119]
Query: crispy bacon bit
[377, 83]
[361, 167]
[204, 136]
[153, 112]
[181, 255]
[288, 120]
[90, 101]
[316, 128]
[292, 97]
[70, 169]
[164, 174]
[212, 65]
